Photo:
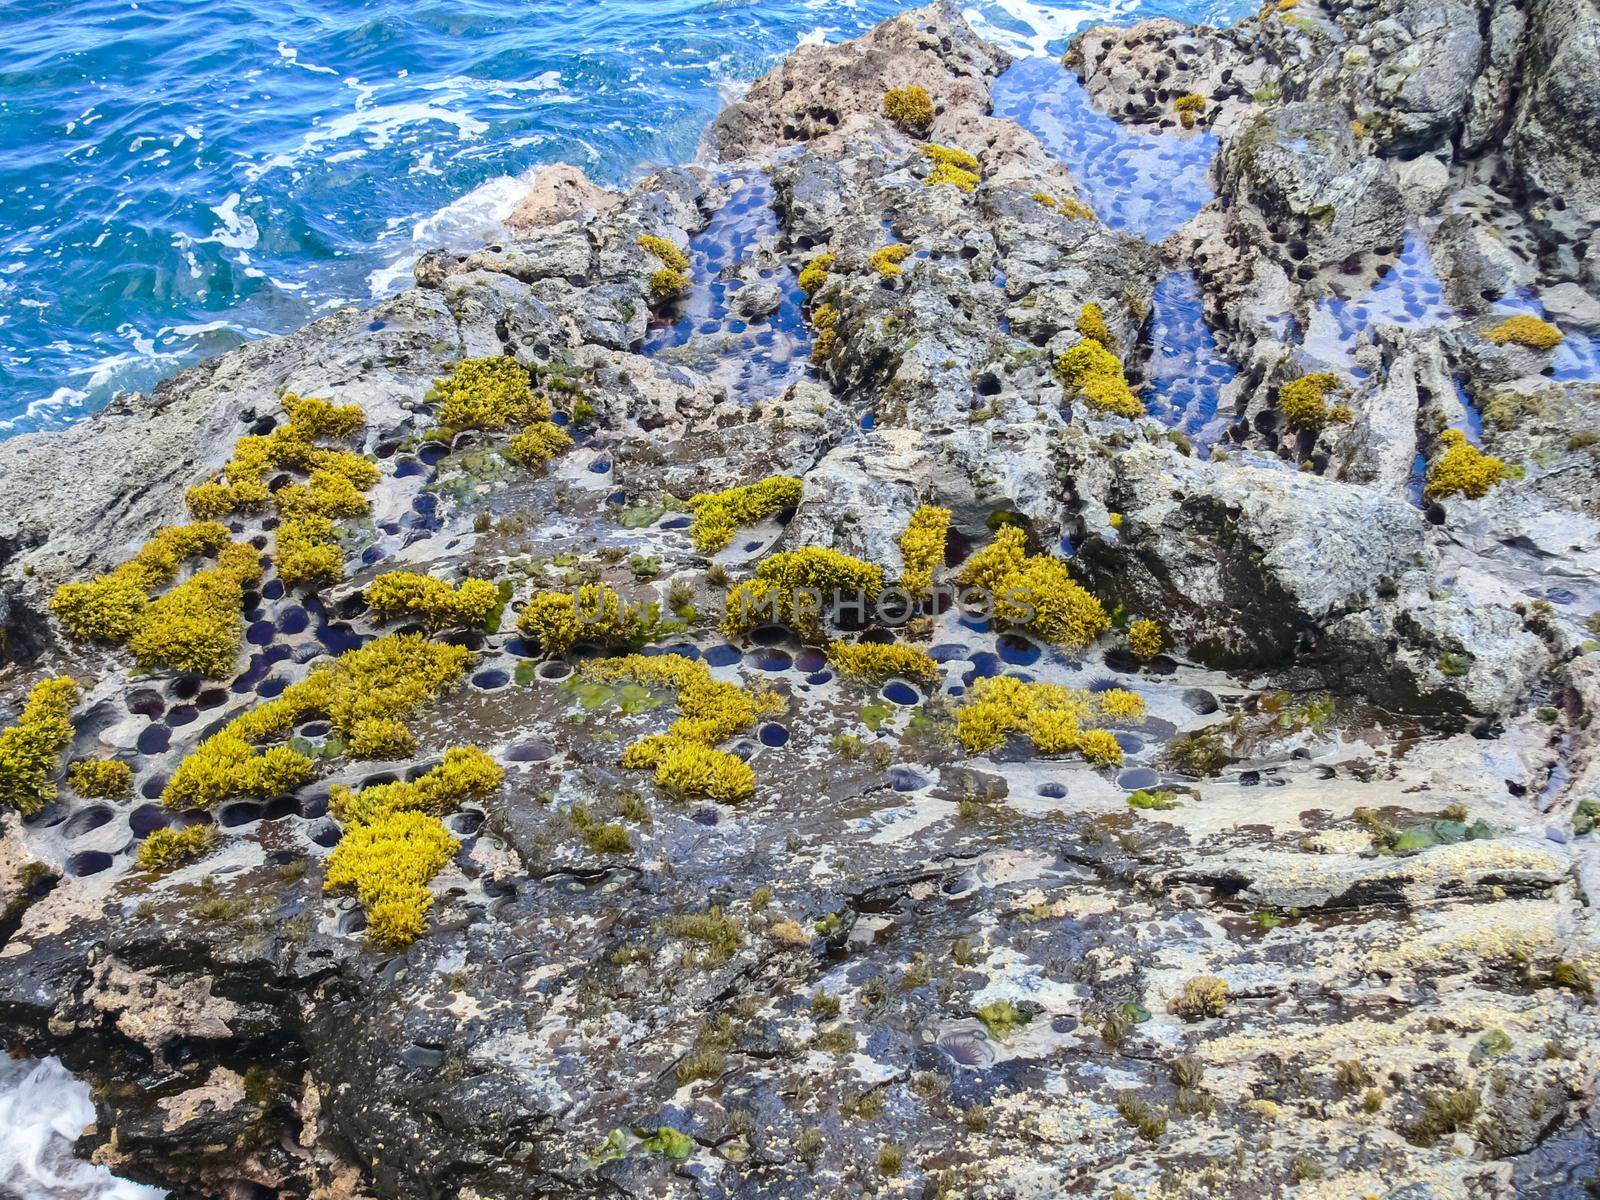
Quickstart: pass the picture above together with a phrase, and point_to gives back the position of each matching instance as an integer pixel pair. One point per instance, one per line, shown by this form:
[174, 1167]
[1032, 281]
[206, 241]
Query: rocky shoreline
[1314, 435]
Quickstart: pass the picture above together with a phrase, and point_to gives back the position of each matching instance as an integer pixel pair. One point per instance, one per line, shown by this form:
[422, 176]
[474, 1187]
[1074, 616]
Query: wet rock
[559, 193]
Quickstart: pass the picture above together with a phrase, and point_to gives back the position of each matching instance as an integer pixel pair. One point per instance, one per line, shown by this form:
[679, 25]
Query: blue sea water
[177, 176]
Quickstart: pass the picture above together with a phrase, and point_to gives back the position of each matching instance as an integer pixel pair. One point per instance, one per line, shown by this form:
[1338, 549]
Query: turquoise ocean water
[177, 176]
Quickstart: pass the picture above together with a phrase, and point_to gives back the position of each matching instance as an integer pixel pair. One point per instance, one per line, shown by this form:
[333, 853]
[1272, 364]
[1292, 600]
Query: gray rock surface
[1362, 791]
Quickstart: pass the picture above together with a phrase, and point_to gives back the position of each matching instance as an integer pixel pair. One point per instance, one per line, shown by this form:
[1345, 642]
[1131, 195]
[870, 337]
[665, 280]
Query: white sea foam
[43, 1109]
[238, 232]
[466, 223]
[1041, 24]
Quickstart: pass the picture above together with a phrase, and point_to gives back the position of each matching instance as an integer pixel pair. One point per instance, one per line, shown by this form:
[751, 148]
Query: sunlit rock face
[1222, 812]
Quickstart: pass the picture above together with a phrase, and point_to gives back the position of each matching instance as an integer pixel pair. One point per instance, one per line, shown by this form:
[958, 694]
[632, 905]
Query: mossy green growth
[685, 758]
[815, 273]
[1034, 591]
[1097, 375]
[30, 750]
[874, 663]
[433, 602]
[909, 107]
[795, 589]
[1463, 469]
[1056, 719]
[167, 848]
[1002, 1019]
[718, 515]
[886, 261]
[1304, 401]
[952, 166]
[716, 937]
[1202, 996]
[594, 613]
[922, 547]
[100, 778]
[1525, 330]
[365, 694]
[1158, 801]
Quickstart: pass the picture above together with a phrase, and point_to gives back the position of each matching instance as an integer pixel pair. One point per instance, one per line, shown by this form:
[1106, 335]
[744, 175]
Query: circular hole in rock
[900, 691]
[1200, 701]
[1017, 650]
[87, 819]
[466, 823]
[186, 687]
[723, 656]
[1131, 743]
[182, 714]
[553, 671]
[769, 635]
[89, 862]
[280, 807]
[769, 658]
[152, 788]
[903, 779]
[155, 739]
[773, 735]
[232, 816]
[148, 818]
[529, 752]
[325, 834]
[1138, 779]
[1052, 791]
[211, 698]
[147, 702]
[490, 680]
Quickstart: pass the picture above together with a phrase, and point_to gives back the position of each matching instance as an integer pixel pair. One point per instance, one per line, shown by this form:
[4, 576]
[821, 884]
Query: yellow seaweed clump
[685, 758]
[887, 259]
[1145, 637]
[1189, 106]
[593, 613]
[306, 549]
[491, 394]
[1305, 400]
[394, 840]
[538, 443]
[825, 320]
[718, 515]
[1092, 324]
[874, 663]
[197, 626]
[797, 588]
[952, 166]
[1524, 330]
[495, 394]
[922, 547]
[432, 601]
[168, 848]
[100, 778]
[672, 278]
[815, 273]
[31, 749]
[1463, 469]
[909, 107]
[465, 773]
[388, 863]
[1097, 375]
[1056, 719]
[1034, 591]
[365, 694]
